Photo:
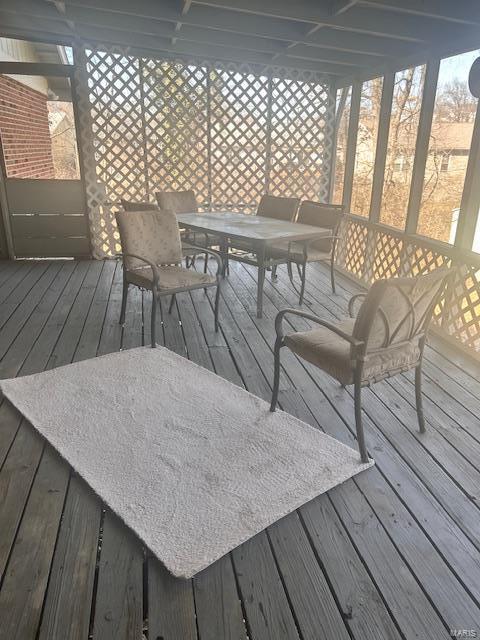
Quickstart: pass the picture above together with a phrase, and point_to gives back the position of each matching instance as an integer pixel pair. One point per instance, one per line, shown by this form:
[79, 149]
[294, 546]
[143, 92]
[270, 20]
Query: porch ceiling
[343, 38]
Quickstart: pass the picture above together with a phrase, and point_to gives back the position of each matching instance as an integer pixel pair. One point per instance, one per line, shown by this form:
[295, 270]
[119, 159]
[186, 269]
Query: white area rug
[193, 464]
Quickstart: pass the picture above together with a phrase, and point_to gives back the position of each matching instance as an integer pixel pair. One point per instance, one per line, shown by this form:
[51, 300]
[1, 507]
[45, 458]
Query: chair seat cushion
[170, 277]
[200, 238]
[330, 352]
[281, 250]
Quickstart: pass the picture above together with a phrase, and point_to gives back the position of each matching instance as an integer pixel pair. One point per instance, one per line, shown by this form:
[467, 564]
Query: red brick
[24, 129]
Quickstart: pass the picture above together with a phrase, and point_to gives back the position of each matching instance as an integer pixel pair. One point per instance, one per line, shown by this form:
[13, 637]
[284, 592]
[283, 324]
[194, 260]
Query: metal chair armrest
[308, 316]
[307, 243]
[352, 300]
[152, 265]
[214, 254]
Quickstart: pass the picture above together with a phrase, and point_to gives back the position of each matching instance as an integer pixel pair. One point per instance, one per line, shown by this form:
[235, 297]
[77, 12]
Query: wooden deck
[391, 554]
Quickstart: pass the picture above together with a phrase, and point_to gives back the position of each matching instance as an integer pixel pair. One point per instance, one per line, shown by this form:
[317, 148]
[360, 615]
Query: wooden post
[4, 207]
[351, 145]
[382, 147]
[421, 147]
[469, 207]
[336, 123]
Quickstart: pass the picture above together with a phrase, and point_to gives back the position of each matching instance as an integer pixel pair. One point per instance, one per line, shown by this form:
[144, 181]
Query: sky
[456, 67]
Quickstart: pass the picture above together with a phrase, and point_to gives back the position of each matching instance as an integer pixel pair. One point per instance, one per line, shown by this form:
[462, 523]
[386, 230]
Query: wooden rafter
[325, 33]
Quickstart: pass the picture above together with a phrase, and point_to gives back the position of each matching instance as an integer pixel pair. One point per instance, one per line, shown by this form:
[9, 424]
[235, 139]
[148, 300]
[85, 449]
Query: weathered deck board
[388, 571]
[393, 553]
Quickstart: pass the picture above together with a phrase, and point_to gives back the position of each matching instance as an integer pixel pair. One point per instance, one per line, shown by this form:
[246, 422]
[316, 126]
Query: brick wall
[24, 130]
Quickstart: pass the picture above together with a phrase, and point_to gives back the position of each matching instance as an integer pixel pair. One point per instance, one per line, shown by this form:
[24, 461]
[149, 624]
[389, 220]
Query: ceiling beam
[445, 50]
[17, 26]
[362, 19]
[212, 24]
[462, 11]
[328, 55]
[186, 4]
[340, 6]
[361, 29]
[200, 35]
[358, 43]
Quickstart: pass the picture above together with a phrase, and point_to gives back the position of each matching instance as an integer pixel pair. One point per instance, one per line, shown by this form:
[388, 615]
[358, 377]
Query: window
[402, 138]
[366, 146]
[344, 97]
[37, 129]
[37, 124]
[448, 150]
[445, 161]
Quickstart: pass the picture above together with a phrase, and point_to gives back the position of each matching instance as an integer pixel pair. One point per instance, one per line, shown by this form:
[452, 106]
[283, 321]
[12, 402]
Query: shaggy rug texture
[193, 464]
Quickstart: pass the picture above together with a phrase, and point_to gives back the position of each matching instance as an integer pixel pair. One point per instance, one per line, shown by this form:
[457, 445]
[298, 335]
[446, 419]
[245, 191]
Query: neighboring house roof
[452, 135]
[446, 136]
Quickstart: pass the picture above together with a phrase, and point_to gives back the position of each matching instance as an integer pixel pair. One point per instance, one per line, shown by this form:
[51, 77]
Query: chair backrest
[153, 235]
[278, 208]
[130, 205]
[177, 201]
[323, 215]
[399, 310]
[319, 214]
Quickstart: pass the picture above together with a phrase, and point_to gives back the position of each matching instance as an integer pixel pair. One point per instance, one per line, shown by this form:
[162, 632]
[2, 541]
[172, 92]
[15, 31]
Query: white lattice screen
[230, 132]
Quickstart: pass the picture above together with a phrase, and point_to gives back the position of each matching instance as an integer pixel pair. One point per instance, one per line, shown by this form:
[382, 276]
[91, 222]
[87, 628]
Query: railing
[369, 251]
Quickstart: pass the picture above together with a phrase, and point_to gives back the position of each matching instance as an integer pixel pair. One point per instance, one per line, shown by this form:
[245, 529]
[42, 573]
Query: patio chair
[387, 337]
[152, 255]
[276, 207]
[315, 214]
[131, 205]
[186, 202]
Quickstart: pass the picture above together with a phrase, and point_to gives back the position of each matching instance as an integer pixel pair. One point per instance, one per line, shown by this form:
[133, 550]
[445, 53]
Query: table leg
[224, 253]
[260, 279]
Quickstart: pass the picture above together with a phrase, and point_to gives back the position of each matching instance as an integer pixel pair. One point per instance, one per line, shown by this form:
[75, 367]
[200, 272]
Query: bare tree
[455, 103]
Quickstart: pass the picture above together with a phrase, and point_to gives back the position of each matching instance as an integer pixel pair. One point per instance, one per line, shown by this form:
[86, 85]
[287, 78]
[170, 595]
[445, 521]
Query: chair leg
[205, 264]
[274, 272]
[332, 275]
[276, 373]
[418, 398]
[153, 318]
[217, 304]
[172, 302]
[289, 269]
[358, 422]
[303, 277]
[124, 300]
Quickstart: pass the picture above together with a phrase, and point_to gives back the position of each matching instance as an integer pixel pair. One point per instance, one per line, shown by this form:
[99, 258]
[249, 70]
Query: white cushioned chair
[152, 255]
[386, 337]
[316, 214]
[186, 202]
[276, 207]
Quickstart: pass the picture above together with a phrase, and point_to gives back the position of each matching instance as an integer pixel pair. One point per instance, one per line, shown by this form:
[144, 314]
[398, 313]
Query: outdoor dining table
[255, 232]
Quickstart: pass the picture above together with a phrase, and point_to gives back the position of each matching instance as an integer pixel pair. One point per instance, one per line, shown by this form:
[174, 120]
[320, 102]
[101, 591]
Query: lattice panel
[117, 122]
[422, 259]
[175, 100]
[352, 247]
[463, 320]
[239, 121]
[103, 231]
[370, 252]
[227, 131]
[302, 128]
[387, 255]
